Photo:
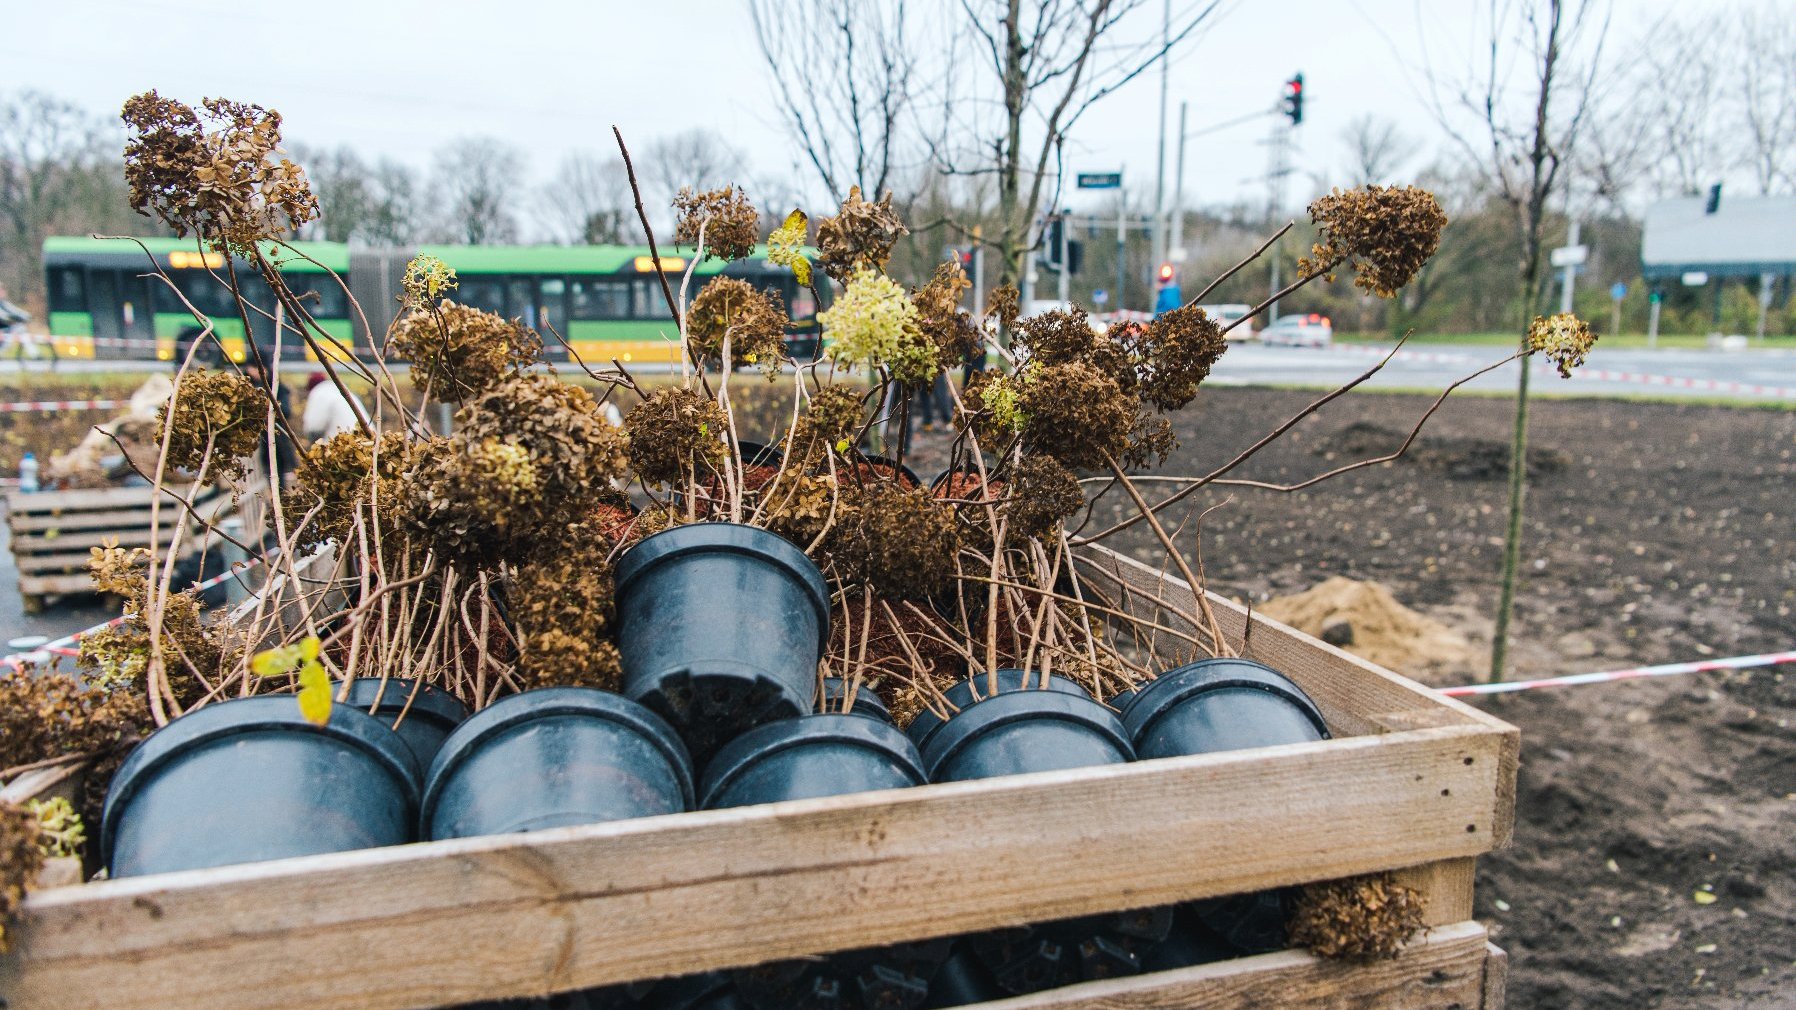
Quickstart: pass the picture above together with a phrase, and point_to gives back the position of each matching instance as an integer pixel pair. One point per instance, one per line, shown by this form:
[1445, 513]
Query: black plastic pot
[250, 779]
[1053, 954]
[962, 980]
[1251, 923]
[554, 757]
[1220, 705]
[611, 997]
[978, 687]
[1023, 730]
[425, 715]
[815, 755]
[720, 627]
[825, 755]
[1189, 943]
[866, 702]
[710, 991]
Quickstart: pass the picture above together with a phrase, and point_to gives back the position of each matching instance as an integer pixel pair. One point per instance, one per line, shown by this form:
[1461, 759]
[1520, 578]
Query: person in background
[328, 411]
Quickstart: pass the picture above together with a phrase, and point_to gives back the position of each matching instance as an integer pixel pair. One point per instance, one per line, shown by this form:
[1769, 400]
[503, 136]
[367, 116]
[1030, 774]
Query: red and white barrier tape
[62, 645]
[1606, 676]
[1597, 374]
[34, 406]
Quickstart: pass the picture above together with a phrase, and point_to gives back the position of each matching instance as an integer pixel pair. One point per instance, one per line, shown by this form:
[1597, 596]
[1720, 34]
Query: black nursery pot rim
[834, 692]
[967, 468]
[546, 702]
[765, 741]
[1157, 698]
[905, 473]
[727, 538]
[926, 723]
[981, 717]
[241, 717]
[758, 453]
[390, 694]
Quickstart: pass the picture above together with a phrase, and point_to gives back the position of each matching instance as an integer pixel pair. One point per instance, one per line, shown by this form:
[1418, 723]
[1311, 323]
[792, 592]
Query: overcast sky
[399, 78]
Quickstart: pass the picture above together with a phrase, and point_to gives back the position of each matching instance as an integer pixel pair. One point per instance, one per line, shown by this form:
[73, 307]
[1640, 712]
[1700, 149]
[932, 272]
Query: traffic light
[1293, 103]
[1166, 273]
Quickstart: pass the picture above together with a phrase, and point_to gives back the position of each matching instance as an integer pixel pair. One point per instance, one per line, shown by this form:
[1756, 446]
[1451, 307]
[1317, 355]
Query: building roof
[1745, 237]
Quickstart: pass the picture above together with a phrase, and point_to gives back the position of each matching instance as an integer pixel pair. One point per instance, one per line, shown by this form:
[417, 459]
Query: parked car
[1300, 331]
[1226, 315]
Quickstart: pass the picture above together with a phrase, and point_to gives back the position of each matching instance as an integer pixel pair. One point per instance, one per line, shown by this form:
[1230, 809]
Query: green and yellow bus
[105, 300]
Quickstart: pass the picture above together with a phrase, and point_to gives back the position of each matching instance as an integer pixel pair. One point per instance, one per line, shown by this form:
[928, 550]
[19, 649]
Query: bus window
[520, 293]
[599, 300]
[68, 290]
[481, 293]
[330, 302]
[802, 305]
[646, 301]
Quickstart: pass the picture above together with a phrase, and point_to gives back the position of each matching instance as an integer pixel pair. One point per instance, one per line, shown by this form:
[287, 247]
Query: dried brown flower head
[1387, 233]
[1563, 338]
[1173, 355]
[120, 571]
[46, 715]
[675, 434]
[1075, 413]
[859, 237]
[1065, 336]
[229, 184]
[754, 321]
[939, 316]
[834, 413]
[458, 352]
[574, 451]
[1004, 305]
[989, 409]
[730, 222]
[219, 421]
[1041, 494]
[562, 606]
[798, 504]
[21, 858]
[898, 540]
[346, 475]
[1356, 919]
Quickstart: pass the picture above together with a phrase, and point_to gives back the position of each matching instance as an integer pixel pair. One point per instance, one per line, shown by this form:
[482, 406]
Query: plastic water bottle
[28, 474]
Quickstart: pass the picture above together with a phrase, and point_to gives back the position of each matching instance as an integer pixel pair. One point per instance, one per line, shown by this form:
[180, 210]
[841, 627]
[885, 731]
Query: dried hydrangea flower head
[1075, 413]
[427, 280]
[1356, 919]
[1563, 338]
[1004, 305]
[833, 415]
[989, 408]
[1173, 355]
[874, 323]
[1040, 493]
[898, 540]
[219, 421]
[350, 474]
[561, 429]
[729, 220]
[229, 184]
[1385, 232]
[950, 331]
[785, 247]
[754, 321]
[458, 352]
[561, 604]
[21, 858]
[859, 238]
[675, 434]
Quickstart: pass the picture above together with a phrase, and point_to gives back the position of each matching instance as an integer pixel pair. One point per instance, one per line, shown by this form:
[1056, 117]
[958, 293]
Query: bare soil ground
[1656, 533]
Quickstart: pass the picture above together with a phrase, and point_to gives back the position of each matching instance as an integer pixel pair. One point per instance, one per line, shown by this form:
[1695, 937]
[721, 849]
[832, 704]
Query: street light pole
[1178, 188]
[1159, 240]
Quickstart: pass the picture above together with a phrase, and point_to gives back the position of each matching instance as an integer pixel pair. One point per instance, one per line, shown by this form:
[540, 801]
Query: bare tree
[844, 71]
[1048, 64]
[477, 179]
[1524, 139]
[1680, 71]
[56, 174]
[344, 187]
[588, 201]
[394, 205]
[698, 158]
[1378, 148]
[1766, 91]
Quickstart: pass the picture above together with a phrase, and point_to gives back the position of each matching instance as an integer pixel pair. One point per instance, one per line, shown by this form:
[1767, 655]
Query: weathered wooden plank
[1496, 977]
[45, 783]
[1446, 888]
[97, 498]
[30, 585]
[1355, 696]
[592, 905]
[1443, 971]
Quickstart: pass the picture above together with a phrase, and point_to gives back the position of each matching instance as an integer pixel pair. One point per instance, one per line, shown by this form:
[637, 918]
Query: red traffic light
[1165, 273]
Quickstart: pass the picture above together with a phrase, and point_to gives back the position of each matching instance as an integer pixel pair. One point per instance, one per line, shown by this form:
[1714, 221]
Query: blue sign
[1100, 297]
[1168, 298]
[1619, 291]
[1100, 180]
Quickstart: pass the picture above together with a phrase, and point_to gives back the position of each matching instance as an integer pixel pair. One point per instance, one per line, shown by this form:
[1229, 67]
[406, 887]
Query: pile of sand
[137, 431]
[1365, 619]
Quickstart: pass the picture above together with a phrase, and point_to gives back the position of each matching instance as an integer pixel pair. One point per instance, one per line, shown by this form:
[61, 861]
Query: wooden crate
[1413, 782]
[53, 531]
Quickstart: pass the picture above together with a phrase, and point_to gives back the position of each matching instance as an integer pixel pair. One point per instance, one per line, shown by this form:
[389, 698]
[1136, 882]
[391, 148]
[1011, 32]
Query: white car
[1300, 331]
[1226, 316]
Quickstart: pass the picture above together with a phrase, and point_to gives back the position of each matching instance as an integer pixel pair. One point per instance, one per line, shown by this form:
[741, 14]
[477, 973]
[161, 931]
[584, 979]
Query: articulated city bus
[605, 300]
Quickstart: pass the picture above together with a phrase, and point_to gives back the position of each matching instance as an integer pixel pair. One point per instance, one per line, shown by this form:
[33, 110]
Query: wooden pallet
[53, 532]
[1413, 782]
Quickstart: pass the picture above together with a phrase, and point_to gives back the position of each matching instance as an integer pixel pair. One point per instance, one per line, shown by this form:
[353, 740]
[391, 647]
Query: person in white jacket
[327, 412]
